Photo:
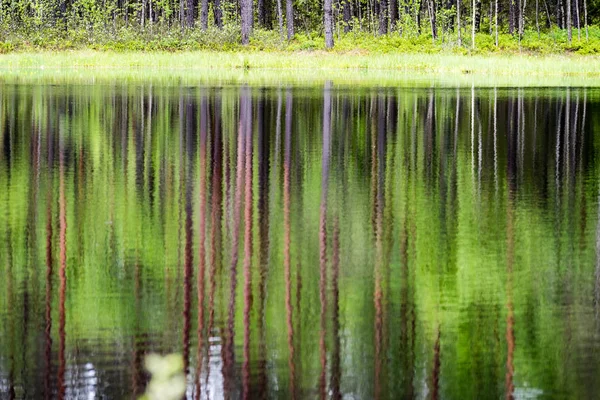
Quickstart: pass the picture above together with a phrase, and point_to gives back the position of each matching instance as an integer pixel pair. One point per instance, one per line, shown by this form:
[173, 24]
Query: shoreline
[305, 66]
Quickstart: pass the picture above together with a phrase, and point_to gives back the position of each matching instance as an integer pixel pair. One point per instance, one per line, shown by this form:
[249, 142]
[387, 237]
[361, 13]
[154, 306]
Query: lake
[300, 242]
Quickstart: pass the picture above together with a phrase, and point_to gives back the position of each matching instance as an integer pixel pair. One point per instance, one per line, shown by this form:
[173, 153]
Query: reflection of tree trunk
[247, 121]
[62, 271]
[229, 345]
[323, 235]
[377, 160]
[435, 372]
[201, 239]
[597, 272]
[495, 138]
[10, 306]
[188, 273]
[215, 223]
[48, 313]
[264, 240]
[510, 244]
[335, 272]
[138, 347]
[287, 261]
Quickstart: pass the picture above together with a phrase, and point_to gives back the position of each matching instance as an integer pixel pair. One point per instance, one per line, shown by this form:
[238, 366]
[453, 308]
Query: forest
[537, 26]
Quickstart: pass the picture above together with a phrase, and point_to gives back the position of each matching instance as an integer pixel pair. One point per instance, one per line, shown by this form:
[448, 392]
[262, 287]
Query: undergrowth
[172, 39]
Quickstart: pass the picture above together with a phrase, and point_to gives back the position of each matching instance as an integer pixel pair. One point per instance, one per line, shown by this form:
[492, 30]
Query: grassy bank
[304, 66]
[172, 39]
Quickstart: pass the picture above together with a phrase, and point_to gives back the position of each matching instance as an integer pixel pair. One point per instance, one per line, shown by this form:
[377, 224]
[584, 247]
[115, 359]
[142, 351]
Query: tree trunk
[204, 14]
[261, 12]
[218, 13]
[143, 13]
[578, 19]
[569, 32]
[328, 14]
[477, 15]
[549, 20]
[521, 20]
[246, 6]
[289, 16]
[383, 17]
[496, 21]
[418, 16]
[347, 16]
[280, 19]
[458, 22]
[537, 20]
[432, 19]
[393, 14]
[585, 20]
[473, 30]
[191, 6]
[511, 17]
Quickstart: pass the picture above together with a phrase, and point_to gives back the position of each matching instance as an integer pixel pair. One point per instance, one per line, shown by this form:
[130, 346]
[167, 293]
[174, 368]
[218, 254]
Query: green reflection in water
[302, 242]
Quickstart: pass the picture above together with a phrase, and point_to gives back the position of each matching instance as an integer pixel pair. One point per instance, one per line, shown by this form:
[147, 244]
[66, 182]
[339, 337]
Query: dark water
[300, 243]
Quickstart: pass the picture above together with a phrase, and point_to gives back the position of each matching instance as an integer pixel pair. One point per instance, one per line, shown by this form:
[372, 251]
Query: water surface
[302, 242]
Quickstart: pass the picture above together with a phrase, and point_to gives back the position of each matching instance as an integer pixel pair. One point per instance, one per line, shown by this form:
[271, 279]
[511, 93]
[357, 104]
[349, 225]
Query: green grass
[297, 67]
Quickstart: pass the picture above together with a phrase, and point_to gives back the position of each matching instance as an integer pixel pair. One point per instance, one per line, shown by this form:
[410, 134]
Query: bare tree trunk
[204, 14]
[143, 13]
[458, 22]
[585, 20]
[473, 30]
[191, 7]
[328, 14]
[218, 13]
[521, 20]
[246, 6]
[393, 14]
[383, 17]
[478, 8]
[537, 21]
[261, 12]
[289, 16]
[549, 21]
[569, 32]
[578, 19]
[432, 19]
[511, 16]
[348, 15]
[496, 21]
[418, 16]
[280, 19]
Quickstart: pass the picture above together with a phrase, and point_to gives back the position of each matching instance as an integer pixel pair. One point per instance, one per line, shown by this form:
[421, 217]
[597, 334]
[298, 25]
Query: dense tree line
[458, 19]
